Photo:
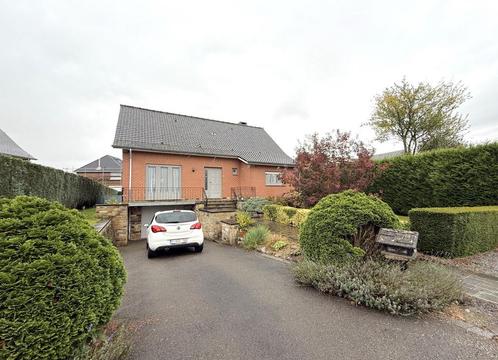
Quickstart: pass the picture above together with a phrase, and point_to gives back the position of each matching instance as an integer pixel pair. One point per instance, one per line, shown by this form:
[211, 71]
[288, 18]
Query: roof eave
[200, 154]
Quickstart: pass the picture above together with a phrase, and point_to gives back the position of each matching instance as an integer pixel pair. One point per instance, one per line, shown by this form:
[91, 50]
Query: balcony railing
[163, 194]
[243, 192]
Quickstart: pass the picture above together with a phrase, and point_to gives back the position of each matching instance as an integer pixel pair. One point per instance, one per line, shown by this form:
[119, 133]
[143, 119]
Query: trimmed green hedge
[440, 178]
[285, 214]
[59, 280]
[455, 232]
[20, 177]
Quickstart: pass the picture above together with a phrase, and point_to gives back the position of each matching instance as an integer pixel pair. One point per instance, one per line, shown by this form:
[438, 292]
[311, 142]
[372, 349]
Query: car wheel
[199, 248]
[150, 253]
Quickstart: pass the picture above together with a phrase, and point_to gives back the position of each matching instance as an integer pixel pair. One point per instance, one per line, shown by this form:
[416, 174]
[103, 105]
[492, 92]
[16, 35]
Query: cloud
[289, 66]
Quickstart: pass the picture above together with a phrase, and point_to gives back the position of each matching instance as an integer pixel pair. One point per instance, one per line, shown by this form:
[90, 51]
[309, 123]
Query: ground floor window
[273, 178]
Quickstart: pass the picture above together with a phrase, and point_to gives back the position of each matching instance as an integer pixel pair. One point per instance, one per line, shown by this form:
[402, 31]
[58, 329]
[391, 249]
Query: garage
[146, 213]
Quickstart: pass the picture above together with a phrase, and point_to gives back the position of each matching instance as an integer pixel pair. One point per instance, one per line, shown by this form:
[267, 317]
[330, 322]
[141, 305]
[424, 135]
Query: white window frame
[273, 178]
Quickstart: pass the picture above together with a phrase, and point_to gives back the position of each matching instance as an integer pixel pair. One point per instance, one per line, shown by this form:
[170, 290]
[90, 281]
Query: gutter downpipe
[129, 191]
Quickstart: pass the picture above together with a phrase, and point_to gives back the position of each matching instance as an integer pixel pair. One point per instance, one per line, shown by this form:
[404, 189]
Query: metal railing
[163, 194]
[243, 192]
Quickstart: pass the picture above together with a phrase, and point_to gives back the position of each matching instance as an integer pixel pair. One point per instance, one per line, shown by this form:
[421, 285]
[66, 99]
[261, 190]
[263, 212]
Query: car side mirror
[146, 225]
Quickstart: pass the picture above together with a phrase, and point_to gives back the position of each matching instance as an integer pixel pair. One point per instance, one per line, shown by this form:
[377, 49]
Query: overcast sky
[293, 67]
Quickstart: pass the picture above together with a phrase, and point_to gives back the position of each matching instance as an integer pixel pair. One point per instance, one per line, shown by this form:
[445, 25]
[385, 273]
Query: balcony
[170, 195]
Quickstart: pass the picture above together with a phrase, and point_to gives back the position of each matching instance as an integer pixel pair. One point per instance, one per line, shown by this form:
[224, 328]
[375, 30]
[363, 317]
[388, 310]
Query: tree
[423, 117]
[330, 164]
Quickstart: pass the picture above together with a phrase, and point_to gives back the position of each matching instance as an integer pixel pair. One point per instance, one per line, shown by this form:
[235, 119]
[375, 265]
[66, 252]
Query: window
[175, 217]
[273, 178]
[235, 171]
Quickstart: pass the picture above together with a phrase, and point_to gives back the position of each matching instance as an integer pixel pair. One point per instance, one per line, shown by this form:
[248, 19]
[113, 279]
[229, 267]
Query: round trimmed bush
[340, 221]
[59, 279]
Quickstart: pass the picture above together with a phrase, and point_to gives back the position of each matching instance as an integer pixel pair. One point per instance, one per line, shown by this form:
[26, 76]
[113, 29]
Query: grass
[90, 215]
[403, 219]
[255, 236]
[112, 343]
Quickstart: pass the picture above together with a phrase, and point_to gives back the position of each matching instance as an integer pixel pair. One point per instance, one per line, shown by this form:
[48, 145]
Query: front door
[212, 182]
[163, 182]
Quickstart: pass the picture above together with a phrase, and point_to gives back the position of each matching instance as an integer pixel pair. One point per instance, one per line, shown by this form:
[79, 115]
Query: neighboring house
[10, 148]
[388, 155]
[173, 161]
[106, 170]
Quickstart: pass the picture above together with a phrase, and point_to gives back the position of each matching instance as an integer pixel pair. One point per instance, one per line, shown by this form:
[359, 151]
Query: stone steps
[221, 205]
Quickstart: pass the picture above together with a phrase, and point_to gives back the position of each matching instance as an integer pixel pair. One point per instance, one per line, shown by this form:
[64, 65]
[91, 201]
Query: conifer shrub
[456, 231]
[439, 178]
[59, 279]
[255, 205]
[332, 228]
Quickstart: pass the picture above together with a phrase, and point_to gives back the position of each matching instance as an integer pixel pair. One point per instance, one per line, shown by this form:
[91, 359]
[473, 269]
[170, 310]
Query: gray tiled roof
[107, 163]
[9, 147]
[388, 155]
[174, 133]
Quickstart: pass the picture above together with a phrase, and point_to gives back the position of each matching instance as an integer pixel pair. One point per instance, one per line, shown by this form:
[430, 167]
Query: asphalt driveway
[227, 303]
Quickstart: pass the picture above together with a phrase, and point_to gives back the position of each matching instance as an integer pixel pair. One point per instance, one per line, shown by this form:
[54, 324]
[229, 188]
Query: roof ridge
[190, 116]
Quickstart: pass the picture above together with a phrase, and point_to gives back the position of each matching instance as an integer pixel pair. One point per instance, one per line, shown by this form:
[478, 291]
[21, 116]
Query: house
[173, 160]
[106, 170]
[388, 155]
[10, 148]
[170, 156]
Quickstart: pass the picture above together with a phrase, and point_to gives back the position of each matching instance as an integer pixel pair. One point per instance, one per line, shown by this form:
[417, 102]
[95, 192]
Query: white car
[174, 229]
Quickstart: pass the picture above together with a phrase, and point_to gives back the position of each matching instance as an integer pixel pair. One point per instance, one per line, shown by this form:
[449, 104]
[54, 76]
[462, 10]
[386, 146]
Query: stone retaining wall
[211, 223]
[119, 221]
[135, 219]
[229, 232]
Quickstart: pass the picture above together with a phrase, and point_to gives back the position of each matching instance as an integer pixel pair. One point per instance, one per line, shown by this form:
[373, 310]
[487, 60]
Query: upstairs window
[273, 178]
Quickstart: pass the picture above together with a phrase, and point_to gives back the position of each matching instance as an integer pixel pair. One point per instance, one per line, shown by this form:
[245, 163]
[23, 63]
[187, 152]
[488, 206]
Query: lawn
[403, 219]
[90, 215]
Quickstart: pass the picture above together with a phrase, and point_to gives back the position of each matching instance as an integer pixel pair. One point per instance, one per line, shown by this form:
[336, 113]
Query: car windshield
[176, 217]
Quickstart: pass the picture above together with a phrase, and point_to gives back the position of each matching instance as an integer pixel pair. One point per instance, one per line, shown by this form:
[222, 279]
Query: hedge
[20, 177]
[440, 178]
[59, 280]
[455, 232]
[285, 214]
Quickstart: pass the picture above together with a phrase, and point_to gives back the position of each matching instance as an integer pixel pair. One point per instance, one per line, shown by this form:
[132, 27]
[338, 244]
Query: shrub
[285, 214]
[440, 178]
[255, 205]
[59, 279]
[244, 220]
[270, 212]
[454, 232]
[291, 198]
[279, 245]
[335, 222]
[330, 164]
[20, 177]
[255, 236]
[423, 287]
